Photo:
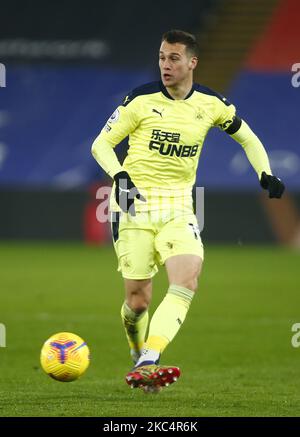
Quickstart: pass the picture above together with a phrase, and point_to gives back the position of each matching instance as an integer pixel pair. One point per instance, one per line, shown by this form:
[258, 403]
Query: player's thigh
[135, 250]
[179, 236]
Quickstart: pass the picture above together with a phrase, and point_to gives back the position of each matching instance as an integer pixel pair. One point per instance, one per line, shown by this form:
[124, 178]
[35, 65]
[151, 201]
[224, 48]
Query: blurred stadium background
[68, 65]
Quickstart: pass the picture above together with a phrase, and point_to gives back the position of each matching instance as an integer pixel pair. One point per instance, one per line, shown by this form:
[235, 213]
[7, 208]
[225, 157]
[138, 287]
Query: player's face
[175, 63]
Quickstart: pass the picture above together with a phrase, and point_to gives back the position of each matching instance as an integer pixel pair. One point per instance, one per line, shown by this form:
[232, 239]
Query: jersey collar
[165, 92]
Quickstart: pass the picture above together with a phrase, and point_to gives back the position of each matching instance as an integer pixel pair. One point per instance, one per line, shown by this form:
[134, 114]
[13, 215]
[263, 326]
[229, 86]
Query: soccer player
[153, 221]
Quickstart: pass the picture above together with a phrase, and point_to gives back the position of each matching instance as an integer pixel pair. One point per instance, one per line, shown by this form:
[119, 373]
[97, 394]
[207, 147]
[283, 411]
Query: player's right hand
[273, 184]
[126, 192]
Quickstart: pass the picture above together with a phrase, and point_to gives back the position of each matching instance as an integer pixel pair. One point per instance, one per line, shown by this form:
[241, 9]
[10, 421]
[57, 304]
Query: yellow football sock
[168, 318]
[135, 327]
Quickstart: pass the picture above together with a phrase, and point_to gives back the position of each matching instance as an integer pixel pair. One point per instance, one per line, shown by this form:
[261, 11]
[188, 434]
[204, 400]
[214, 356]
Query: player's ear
[193, 62]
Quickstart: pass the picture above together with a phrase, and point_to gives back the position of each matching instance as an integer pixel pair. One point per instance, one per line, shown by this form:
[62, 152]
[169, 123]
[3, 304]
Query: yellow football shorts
[145, 241]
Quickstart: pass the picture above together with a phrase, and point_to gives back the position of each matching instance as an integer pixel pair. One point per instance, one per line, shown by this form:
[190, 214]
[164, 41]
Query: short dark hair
[182, 37]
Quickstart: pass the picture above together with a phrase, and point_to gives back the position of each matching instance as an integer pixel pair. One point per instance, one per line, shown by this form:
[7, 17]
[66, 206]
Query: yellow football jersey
[165, 139]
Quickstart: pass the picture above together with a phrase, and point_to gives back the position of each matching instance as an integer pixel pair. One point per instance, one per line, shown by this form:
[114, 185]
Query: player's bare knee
[191, 280]
[194, 277]
[191, 284]
[194, 285]
[138, 294]
[138, 302]
[184, 271]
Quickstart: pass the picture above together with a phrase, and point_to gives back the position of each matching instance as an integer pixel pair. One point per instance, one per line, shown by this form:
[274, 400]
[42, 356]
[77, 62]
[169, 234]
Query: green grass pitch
[234, 348]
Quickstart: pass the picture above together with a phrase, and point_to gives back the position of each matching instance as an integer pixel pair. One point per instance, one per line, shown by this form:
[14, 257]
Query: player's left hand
[273, 184]
[126, 192]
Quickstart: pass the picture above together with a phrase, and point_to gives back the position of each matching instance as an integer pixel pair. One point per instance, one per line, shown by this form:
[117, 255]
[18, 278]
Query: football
[65, 356]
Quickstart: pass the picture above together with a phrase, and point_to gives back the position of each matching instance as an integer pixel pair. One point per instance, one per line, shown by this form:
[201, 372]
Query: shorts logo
[195, 230]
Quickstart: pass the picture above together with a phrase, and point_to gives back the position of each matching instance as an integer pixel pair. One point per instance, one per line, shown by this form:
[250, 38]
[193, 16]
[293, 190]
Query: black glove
[272, 184]
[126, 191]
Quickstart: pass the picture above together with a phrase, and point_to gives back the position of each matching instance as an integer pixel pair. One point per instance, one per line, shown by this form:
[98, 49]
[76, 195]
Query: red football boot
[152, 375]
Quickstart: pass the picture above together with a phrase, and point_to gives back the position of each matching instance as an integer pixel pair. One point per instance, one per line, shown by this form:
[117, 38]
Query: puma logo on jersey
[126, 101]
[157, 112]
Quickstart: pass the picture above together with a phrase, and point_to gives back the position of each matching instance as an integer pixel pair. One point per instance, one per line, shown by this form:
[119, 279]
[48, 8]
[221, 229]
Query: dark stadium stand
[130, 30]
[69, 64]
